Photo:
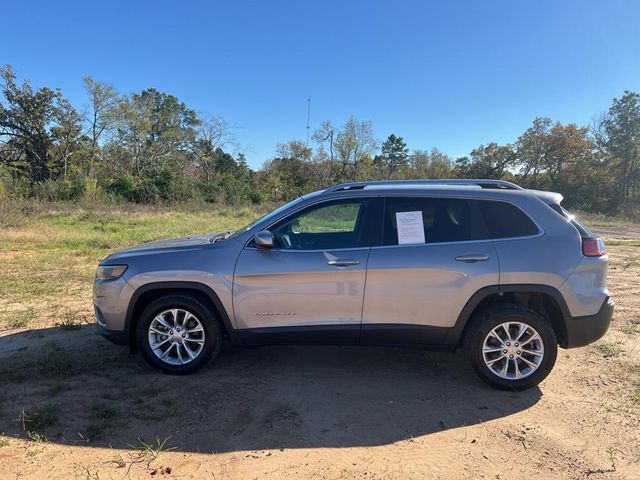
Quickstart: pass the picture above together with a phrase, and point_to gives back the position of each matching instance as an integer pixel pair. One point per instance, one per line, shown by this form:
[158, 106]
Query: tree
[290, 174]
[212, 134]
[154, 130]
[622, 141]
[25, 116]
[295, 149]
[66, 134]
[354, 146]
[532, 148]
[433, 164]
[490, 161]
[394, 156]
[103, 99]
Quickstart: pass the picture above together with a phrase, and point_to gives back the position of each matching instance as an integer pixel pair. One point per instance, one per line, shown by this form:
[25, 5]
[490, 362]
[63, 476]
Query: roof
[445, 184]
[391, 184]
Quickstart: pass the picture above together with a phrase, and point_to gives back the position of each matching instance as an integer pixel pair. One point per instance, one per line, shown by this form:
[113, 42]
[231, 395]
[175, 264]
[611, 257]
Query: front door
[309, 287]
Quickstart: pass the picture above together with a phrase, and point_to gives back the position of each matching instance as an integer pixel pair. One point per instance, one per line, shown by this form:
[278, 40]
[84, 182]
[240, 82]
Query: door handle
[342, 262]
[472, 258]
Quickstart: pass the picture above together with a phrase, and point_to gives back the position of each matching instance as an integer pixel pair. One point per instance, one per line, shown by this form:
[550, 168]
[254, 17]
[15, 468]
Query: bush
[124, 187]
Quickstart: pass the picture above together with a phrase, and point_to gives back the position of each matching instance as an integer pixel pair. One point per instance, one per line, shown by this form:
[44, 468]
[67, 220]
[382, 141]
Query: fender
[455, 334]
[208, 291]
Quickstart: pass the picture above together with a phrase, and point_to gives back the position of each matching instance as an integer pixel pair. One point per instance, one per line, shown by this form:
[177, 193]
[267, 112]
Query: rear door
[433, 255]
[309, 288]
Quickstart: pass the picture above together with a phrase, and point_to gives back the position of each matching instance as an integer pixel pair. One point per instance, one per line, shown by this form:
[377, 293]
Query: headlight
[110, 272]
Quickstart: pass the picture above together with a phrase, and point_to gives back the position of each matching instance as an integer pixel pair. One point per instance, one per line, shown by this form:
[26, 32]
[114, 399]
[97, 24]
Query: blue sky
[448, 74]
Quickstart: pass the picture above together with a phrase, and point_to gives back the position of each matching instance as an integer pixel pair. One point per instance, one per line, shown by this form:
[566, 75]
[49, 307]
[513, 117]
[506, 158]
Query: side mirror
[264, 239]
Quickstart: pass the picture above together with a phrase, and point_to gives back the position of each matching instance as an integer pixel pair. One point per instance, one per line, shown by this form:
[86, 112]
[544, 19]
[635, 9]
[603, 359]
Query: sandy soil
[321, 412]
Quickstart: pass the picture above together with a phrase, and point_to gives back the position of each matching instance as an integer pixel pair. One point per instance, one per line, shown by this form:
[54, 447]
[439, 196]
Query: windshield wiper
[221, 236]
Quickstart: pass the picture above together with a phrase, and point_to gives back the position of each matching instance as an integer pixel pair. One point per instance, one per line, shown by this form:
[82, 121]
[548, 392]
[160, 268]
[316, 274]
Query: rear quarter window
[505, 220]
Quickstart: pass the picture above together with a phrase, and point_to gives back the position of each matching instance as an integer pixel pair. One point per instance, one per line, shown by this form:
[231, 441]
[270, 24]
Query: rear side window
[419, 220]
[582, 229]
[505, 220]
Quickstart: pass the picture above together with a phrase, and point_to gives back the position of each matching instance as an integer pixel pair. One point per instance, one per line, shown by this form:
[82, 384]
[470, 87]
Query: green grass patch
[609, 350]
[71, 320]
[630, 329]
[20, 319]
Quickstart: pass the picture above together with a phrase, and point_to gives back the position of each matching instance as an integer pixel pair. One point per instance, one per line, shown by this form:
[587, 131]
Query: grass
[71, 320]
[34, 420]
[151, 451]
[631, 329]
[48, 254]
[51, 363]
[20, 319]
[608, 349]
[104, 418]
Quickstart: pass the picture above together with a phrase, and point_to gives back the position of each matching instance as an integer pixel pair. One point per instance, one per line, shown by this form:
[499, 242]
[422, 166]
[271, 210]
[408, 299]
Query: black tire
[210, 325]
[482, 323]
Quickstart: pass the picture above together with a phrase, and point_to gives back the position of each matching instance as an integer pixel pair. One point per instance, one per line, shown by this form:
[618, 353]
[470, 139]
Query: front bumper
[115, 336]
[119, 337]
[582, 331]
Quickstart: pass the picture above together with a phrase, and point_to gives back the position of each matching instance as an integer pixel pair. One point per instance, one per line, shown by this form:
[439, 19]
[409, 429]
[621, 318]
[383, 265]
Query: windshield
[269, 215]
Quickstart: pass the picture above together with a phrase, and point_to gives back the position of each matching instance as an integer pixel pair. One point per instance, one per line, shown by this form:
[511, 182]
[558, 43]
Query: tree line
[148, 146]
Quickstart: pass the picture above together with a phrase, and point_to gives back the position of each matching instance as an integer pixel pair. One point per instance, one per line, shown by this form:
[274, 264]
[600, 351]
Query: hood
[161, 246]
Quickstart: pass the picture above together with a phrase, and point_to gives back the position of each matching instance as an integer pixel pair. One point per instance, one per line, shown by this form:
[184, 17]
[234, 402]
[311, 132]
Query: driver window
[327, 226]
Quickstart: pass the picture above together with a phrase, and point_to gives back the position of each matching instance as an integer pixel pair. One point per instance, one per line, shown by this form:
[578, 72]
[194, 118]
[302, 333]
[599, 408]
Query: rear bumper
[582, 331]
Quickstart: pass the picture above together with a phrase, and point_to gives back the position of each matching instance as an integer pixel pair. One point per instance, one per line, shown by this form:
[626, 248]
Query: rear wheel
[511, 347]
[178, 334]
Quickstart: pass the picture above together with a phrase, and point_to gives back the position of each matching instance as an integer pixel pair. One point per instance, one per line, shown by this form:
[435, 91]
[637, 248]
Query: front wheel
[178, 334]
[511, 347]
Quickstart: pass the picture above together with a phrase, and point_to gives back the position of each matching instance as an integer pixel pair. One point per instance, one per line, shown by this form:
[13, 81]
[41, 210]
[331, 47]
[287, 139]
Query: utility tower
[308, 118]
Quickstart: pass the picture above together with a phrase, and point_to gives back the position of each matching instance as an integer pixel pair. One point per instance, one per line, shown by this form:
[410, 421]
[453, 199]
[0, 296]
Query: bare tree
[211, 134]
[66, 133]
[103, 98]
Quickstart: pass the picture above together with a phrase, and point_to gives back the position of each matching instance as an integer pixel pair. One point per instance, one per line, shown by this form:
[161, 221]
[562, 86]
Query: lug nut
[508, 344]
[171, 333]
[504, 351]
[517, 344]
[518, 352]
[184, 335]
[510, 356]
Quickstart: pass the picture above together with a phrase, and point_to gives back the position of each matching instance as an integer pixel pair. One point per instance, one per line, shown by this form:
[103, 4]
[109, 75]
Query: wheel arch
[147, 293]
[544, 299]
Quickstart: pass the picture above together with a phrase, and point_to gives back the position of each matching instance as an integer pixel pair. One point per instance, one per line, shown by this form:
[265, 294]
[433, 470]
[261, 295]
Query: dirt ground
[74, 406]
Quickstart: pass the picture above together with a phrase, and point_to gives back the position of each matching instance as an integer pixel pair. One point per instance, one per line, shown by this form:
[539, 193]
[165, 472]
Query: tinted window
[440, 219]
[582, 229]
[505, 220]
[326, 226]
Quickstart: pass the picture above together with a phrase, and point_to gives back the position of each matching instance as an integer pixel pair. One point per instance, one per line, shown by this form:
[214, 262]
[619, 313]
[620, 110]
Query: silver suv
[503, 272]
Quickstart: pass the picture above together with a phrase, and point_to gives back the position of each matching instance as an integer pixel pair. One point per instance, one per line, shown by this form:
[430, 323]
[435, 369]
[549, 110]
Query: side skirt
[373, 334]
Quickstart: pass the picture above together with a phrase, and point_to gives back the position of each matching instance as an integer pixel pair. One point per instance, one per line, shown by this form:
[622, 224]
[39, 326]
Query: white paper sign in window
[410, 227]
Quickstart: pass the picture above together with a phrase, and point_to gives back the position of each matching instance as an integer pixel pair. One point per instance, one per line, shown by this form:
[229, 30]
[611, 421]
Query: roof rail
[497, 184]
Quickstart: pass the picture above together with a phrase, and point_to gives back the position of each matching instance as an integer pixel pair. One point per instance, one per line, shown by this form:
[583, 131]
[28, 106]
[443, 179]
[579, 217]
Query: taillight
[593, 247]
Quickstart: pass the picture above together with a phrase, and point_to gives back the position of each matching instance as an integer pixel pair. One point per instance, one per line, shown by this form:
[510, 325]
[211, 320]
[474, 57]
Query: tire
[191, 346]
[490, 345]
